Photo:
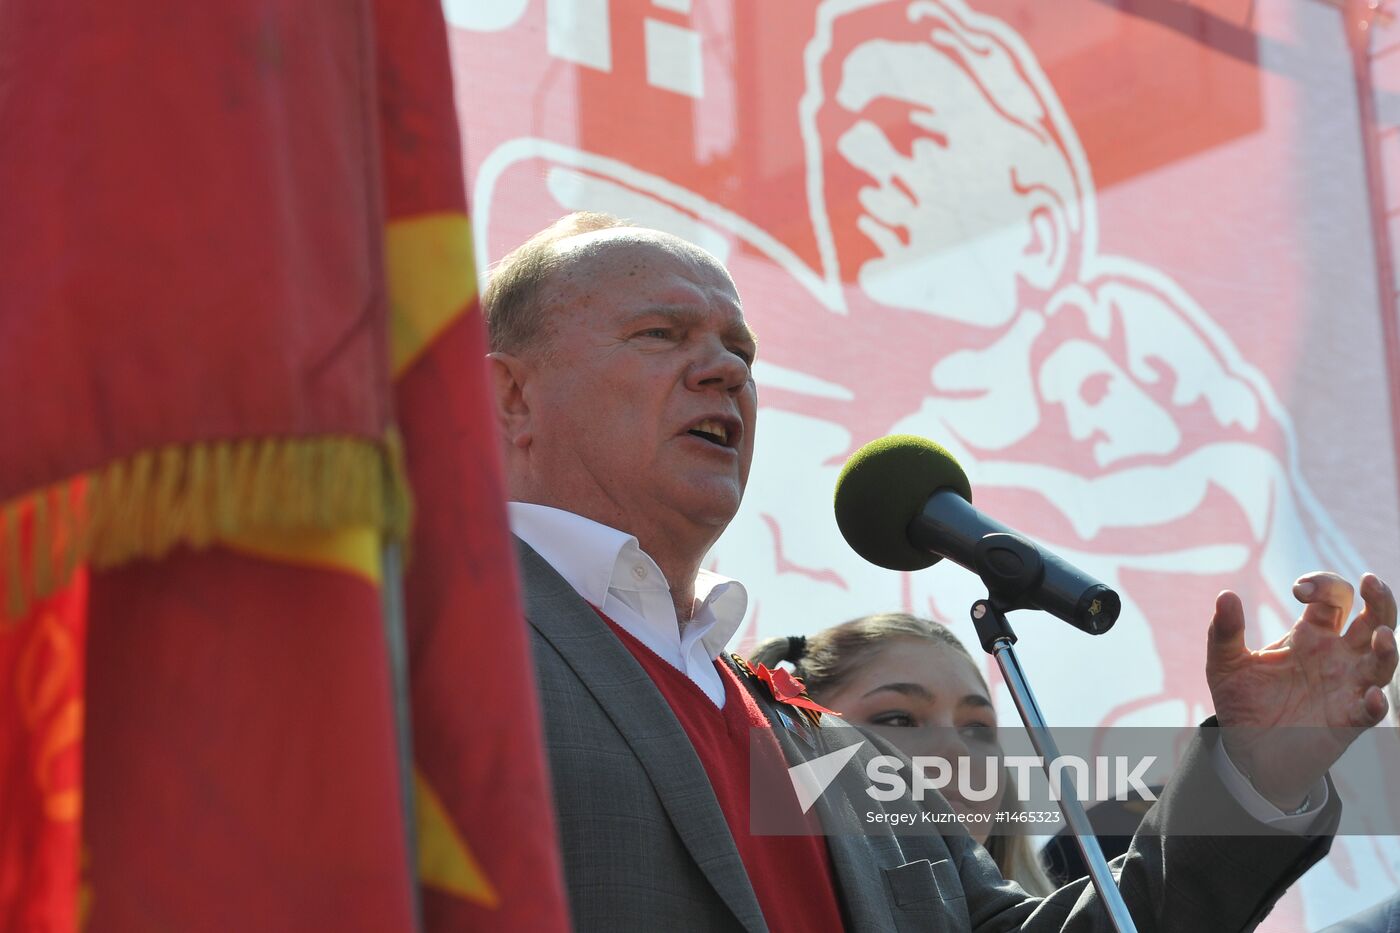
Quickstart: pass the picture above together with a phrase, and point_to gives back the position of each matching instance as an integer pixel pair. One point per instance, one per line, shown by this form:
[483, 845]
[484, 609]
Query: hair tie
[797, 647]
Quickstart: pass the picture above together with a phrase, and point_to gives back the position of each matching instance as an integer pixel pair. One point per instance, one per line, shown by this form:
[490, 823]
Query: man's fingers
[1379, 665]
[1379, 612]
[1371, 707]
[1379, 598]
[1380, 601]
[1225, 641]
[1326, 598]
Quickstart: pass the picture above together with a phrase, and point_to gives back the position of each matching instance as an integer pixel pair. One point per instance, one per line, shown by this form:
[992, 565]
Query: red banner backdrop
[1117, 256]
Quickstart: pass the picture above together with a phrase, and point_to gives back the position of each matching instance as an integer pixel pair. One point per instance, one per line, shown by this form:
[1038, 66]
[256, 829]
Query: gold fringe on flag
[193, 495]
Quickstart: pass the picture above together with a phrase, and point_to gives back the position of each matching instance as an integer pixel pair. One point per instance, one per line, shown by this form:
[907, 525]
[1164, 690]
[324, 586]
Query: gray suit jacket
[645, 844]
[1381, 918]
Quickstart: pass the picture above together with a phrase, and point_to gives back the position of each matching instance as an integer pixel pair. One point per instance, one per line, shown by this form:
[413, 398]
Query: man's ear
[508, 376]
[1047, 252]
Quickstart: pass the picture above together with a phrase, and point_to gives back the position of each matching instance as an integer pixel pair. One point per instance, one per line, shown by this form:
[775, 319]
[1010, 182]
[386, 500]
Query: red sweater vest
[791, 875]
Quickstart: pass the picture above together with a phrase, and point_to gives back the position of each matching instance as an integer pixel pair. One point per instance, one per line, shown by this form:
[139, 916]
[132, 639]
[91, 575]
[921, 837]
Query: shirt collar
[593, 558]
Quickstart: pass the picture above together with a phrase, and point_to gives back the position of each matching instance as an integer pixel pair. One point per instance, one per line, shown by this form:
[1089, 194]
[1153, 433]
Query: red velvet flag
[195, 326]
[41, 731]
[487, 845]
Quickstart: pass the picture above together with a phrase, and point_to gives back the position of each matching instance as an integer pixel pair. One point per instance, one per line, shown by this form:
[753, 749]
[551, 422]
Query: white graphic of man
[1088, 392]
[1093, 402]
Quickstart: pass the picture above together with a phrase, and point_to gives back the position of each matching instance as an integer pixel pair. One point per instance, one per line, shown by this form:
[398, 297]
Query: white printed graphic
[811, 778]
[484, 15]
[673, 59]
[578, 31]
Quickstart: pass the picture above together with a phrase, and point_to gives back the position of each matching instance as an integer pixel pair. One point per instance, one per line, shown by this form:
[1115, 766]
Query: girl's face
[928, 699]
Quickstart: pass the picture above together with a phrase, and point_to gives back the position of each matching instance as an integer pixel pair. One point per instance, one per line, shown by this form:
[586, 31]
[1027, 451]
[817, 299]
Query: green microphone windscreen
[883, 486]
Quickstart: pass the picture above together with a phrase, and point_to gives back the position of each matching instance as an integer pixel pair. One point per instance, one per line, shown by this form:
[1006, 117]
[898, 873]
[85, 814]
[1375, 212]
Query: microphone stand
[1010, 565]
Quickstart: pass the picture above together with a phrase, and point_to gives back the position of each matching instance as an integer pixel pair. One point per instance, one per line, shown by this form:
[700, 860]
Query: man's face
[939, 196]
[642, 404]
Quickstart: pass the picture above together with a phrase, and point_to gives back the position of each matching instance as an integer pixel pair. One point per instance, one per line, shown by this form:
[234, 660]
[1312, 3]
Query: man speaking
[622, 368]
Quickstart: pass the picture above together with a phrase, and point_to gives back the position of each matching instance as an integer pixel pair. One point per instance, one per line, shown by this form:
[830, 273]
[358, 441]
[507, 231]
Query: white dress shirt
[609, 569]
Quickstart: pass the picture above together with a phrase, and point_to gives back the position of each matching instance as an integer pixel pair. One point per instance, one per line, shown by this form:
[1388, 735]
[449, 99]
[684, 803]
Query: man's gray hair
[514, 300]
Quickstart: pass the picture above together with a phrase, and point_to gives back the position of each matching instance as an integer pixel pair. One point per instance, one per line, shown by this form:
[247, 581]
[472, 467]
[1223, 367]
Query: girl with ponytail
[913, 682]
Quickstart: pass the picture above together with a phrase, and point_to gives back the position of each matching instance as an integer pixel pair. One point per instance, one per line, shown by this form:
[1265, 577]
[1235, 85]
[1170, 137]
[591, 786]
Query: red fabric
[240, 768]
[476, 726]
[420, 149]
[41, 723]
[481, 755]
[194, 252]
[791, 875]
[190, 242]
[788, 689]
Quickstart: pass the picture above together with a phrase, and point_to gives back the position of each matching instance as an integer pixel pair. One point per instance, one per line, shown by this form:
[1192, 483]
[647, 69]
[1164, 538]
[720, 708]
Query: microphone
[903, 503]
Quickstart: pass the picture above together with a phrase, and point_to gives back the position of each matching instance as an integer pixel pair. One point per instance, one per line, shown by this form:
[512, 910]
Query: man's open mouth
[716, 432]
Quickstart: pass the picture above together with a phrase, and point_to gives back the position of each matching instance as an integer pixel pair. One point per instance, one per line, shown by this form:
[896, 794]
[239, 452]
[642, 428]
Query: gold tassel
[67, 524]
[146, 505]
[200, 509]
[226, 494]
[398, 495]
[167, 511]
[43, 545]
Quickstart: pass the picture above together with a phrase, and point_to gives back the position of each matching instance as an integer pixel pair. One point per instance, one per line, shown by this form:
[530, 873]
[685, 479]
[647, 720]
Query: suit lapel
[641, 714]
[858, 859]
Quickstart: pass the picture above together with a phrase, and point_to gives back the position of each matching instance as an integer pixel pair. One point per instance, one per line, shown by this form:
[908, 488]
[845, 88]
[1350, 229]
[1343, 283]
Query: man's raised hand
[1291, 708]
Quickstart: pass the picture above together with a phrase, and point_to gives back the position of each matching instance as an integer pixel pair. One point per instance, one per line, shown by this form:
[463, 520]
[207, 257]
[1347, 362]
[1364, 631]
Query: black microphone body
[949, 526]
[903, 502]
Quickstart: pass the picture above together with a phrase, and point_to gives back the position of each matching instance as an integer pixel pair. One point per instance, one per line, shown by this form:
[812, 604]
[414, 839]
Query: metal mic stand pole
[997, 638]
